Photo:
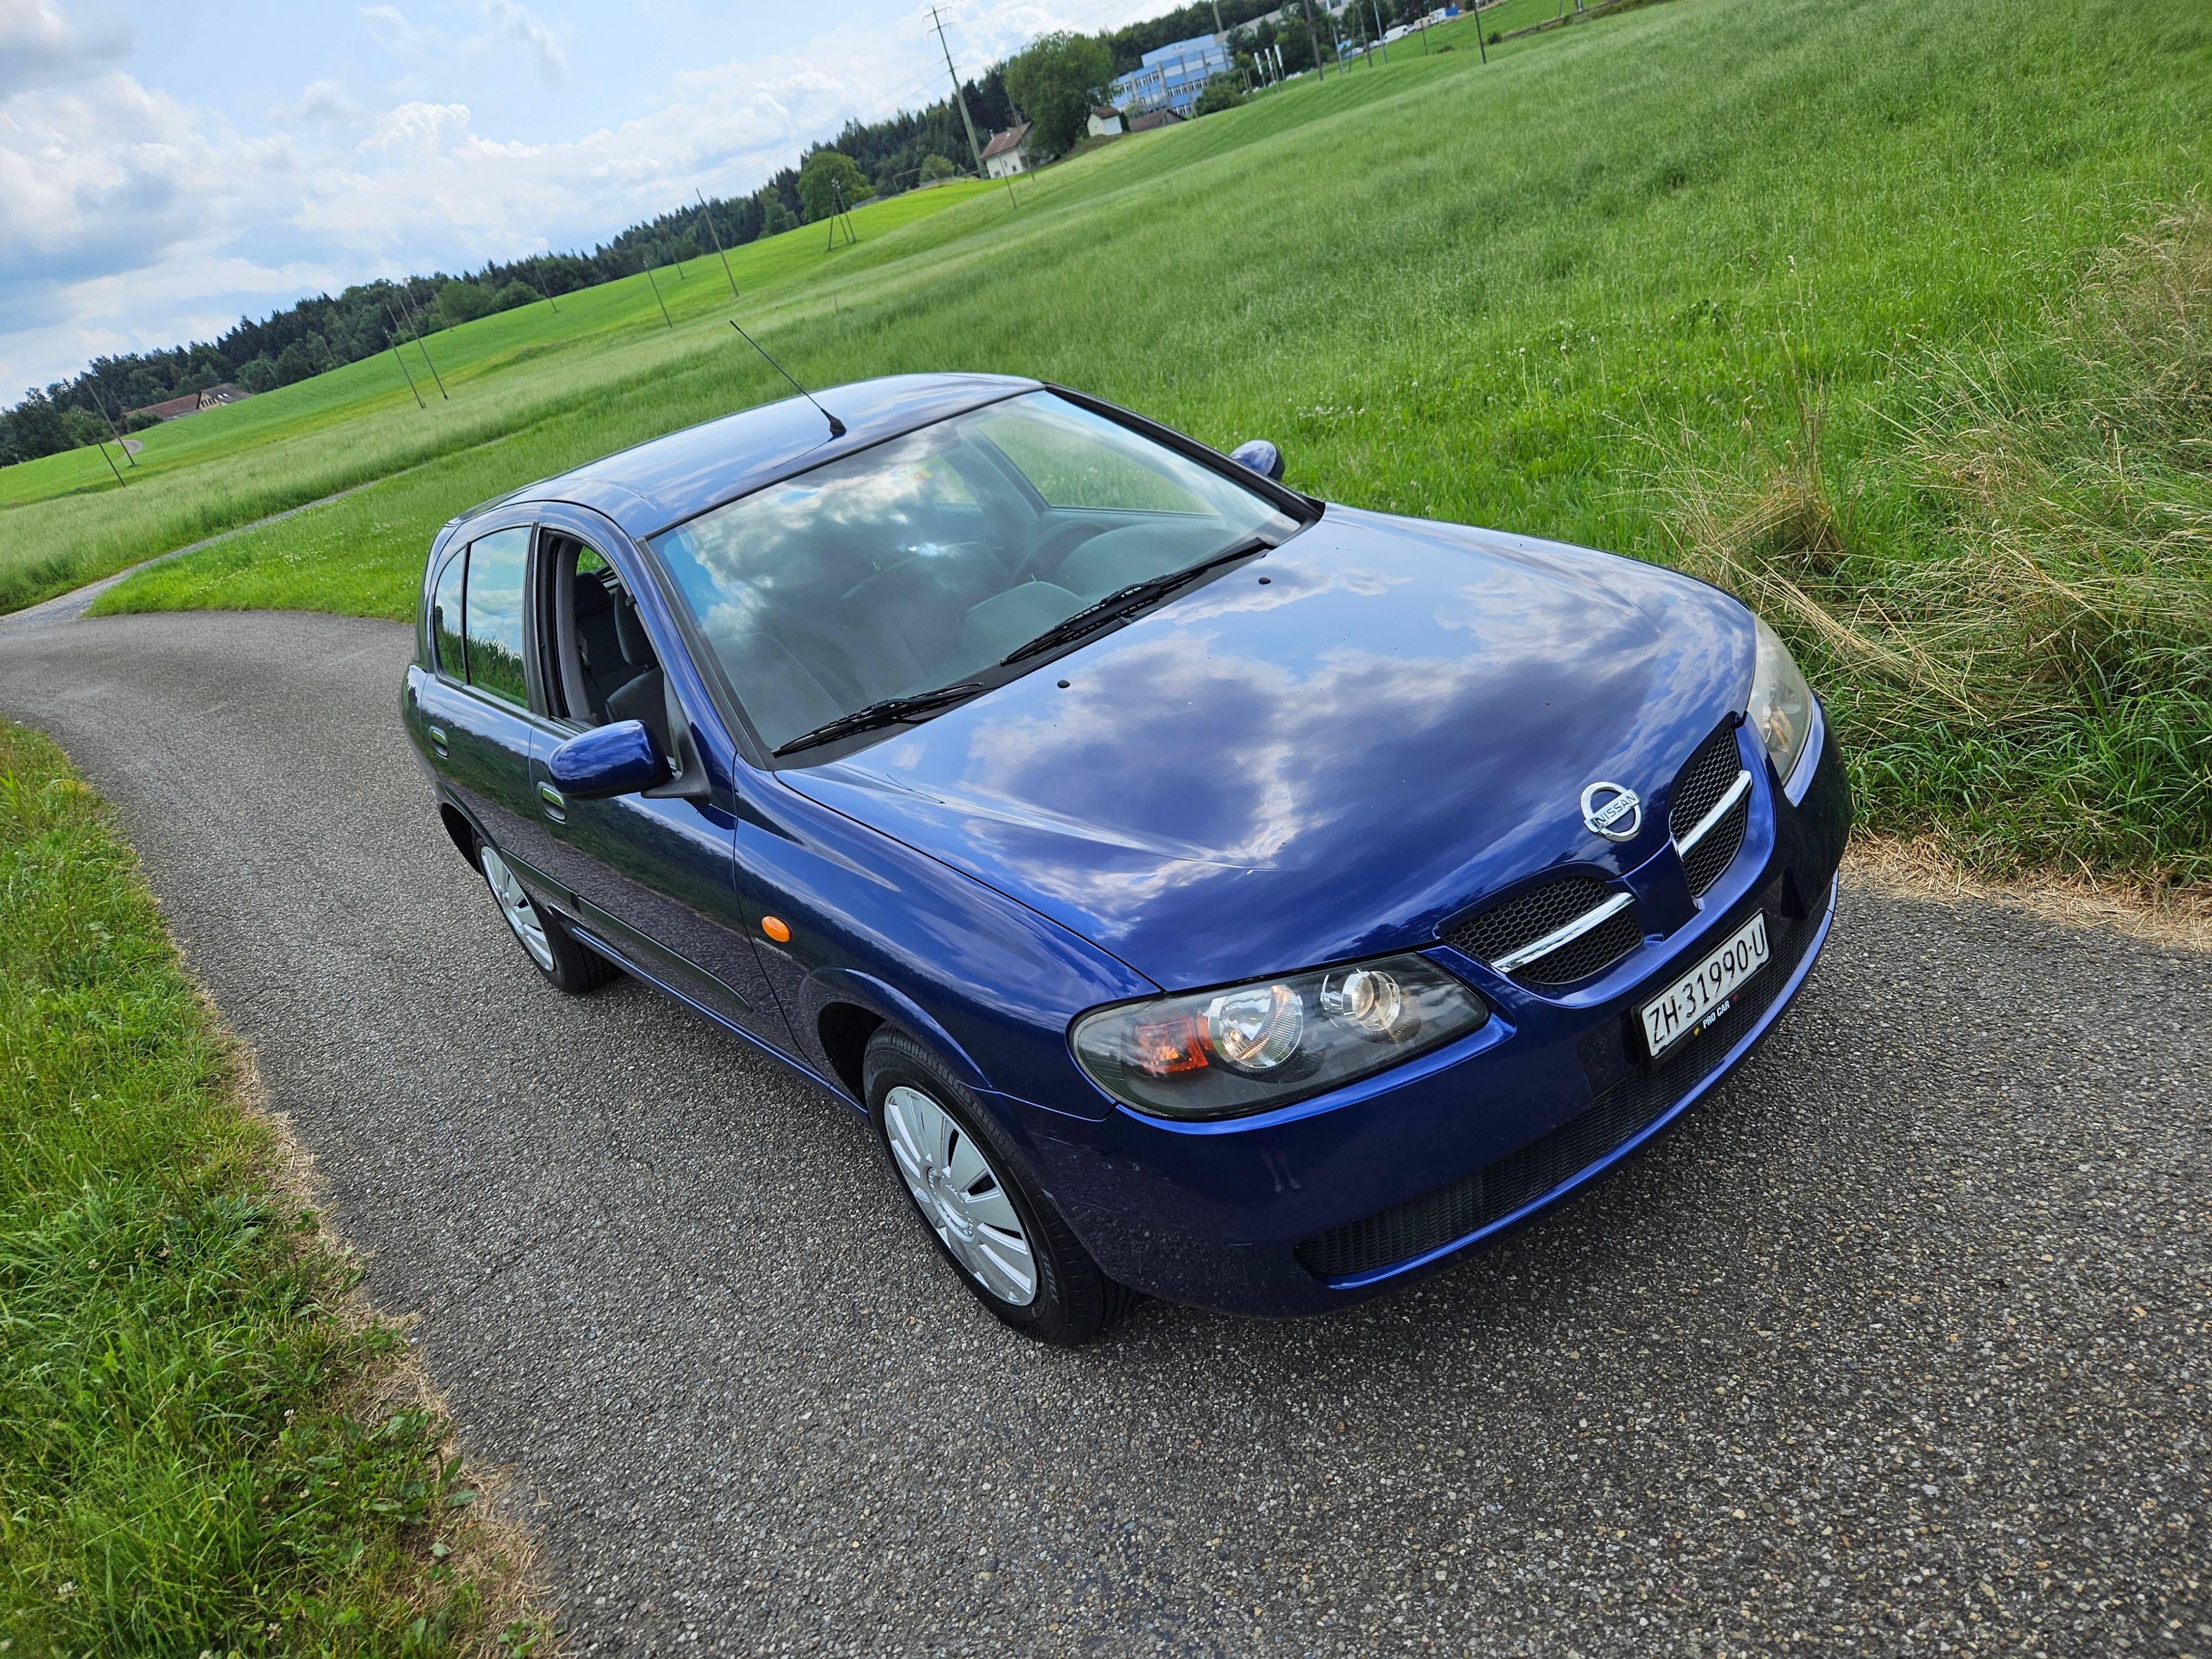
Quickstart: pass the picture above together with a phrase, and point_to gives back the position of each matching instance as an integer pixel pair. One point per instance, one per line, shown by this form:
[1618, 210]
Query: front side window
[925, 561]
[492, 623]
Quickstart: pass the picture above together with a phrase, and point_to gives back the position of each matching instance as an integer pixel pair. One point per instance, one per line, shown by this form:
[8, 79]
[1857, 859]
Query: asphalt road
[1900, 1345]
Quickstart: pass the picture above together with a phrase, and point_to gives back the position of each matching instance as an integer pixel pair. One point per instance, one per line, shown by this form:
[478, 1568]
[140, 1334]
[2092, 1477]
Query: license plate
[1706, 992]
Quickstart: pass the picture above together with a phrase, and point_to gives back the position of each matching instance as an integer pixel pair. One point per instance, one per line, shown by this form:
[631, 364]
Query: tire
[567, 964]
[985, 1217]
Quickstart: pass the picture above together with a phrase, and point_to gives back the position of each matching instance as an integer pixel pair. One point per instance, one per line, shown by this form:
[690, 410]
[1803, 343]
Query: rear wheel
[567, 964]
[1002, 1236]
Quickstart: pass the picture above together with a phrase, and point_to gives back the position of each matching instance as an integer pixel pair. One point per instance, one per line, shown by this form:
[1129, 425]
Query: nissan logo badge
[1612, 811]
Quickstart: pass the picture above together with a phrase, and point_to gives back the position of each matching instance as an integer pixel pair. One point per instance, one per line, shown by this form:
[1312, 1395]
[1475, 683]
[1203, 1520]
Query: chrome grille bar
[1704, 827]
[1566, 933]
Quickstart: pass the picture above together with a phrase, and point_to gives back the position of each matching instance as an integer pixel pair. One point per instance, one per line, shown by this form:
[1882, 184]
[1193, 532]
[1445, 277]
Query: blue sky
[166, 168]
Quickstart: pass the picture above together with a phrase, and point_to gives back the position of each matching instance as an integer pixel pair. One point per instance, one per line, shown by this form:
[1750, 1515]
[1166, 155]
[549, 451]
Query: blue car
[1205, 890]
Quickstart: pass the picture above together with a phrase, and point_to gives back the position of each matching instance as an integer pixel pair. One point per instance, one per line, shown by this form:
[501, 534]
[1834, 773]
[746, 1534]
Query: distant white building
[1105, 121]
[1008, 152]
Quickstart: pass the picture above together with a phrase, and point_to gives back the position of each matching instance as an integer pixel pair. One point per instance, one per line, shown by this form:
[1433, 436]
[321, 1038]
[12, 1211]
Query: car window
[606, 668]
[925, 561]
[493, 617]
[446, 616]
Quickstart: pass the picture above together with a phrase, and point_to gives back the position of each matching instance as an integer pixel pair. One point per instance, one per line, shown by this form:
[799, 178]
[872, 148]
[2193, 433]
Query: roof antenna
[836, 426]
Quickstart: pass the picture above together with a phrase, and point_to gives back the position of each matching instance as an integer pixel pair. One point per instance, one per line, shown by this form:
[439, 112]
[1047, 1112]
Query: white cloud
[419, 129]
[390, 28]
[518, 25]
[319, 102]
[38, 46]
[107, 174]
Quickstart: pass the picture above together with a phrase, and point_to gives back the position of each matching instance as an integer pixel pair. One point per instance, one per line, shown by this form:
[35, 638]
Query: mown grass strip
[197, 1449]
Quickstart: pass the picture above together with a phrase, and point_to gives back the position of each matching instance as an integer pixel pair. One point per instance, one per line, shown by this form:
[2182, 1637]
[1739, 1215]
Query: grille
[1704, 778]
[1494, 1192]
[1704, 863]
[1525, 917]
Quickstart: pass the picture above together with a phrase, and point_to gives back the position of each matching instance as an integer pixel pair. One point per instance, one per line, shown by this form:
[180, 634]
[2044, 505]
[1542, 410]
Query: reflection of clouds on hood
[1287, 583]
[1513, 608]
[1286, 755]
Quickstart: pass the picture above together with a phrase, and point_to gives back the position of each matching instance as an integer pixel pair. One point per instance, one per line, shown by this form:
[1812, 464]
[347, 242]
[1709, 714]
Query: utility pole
[407, 305]
[101, 403]
[706, 214]
[657, 301]
[839, 211]
[402, 362]
[958, 96]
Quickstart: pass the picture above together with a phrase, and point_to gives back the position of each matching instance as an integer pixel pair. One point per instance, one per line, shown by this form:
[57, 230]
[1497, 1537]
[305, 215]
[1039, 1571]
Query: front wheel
[566, 963]
[1007, 1243]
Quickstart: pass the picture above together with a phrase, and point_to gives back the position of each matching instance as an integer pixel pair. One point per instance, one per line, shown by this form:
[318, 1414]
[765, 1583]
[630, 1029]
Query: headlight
[1221, 1053]
[1781, 708]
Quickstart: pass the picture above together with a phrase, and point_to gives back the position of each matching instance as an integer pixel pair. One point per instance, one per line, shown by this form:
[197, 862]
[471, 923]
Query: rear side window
[493, 619]
[445, 617]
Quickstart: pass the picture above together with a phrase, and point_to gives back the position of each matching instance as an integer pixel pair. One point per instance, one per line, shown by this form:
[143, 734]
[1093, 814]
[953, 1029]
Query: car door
[653, 876]
[475, 706]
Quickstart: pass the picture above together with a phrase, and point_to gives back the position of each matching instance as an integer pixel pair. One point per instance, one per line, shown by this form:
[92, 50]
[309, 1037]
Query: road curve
[1901, 1341]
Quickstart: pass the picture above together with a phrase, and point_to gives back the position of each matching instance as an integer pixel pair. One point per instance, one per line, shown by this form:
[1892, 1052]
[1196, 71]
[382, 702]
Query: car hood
[1321, 754]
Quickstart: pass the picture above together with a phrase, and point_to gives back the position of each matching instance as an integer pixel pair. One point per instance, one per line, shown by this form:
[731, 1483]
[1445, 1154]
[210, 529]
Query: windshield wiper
[1135, 596]
[890, 712]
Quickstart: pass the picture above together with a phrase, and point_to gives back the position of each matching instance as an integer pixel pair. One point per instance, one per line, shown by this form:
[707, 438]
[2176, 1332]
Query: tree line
[1053, 83]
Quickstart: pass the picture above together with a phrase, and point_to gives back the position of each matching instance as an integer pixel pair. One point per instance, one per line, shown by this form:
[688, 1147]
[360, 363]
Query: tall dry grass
[2022, 667]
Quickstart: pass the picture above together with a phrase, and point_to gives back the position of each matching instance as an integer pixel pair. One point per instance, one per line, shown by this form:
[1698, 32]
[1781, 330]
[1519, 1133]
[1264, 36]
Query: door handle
[437, 735]
[556, 804]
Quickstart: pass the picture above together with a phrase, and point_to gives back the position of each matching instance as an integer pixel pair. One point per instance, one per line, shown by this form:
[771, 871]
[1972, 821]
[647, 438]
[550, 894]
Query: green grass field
[192, 1454]
[1837, 303]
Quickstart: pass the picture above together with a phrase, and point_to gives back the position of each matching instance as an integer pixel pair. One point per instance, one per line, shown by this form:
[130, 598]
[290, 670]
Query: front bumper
[1341, 1198]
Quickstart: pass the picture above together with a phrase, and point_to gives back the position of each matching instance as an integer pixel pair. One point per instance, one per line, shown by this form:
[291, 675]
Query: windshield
[924, 561]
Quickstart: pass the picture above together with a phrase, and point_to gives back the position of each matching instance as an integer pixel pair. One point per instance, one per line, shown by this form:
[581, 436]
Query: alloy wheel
[514, 904]
[961, 1195]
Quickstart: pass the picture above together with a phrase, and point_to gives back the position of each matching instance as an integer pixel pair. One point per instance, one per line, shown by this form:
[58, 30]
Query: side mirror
[620, 759]
[1262, 457]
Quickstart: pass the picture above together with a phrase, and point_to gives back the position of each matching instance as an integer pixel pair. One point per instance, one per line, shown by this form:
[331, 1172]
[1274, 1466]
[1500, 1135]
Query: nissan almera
[1204, 889]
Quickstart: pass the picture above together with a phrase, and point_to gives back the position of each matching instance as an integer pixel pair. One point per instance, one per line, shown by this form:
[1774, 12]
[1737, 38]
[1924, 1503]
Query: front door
[654, 877]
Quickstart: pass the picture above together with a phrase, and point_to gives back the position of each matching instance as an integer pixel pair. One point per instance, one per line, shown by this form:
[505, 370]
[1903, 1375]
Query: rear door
[655, 878]
[475, 706]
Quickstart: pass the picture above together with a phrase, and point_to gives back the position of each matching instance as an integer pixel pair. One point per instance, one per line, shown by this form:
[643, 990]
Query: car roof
[647, 488]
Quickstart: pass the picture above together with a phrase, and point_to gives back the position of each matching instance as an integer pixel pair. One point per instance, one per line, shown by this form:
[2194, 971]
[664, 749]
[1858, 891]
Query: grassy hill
[1880, 314]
